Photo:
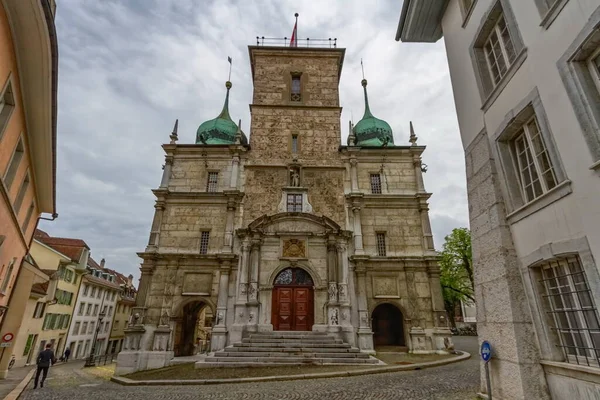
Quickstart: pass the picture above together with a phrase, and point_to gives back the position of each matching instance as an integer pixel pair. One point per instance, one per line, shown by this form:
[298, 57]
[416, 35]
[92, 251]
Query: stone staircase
[287, 348]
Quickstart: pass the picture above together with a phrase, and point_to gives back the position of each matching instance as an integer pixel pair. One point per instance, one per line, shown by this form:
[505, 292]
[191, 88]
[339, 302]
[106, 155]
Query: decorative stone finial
[173, 135]
[413, 137]
[228, 85]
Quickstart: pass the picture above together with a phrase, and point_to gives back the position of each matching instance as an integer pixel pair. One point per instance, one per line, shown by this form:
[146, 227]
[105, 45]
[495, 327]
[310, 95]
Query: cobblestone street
[451, 382]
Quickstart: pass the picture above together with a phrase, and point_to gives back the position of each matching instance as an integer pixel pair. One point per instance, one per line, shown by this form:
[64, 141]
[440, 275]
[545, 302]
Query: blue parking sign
[486, 351]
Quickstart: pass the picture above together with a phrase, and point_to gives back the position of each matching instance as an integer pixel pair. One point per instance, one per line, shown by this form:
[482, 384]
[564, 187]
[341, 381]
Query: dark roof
[72, 248]
[40, 234]
[40, 288]
[100, 281]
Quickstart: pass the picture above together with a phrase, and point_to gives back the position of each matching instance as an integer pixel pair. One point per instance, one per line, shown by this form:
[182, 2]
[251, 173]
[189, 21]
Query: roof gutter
[405, 6]
[54, 49]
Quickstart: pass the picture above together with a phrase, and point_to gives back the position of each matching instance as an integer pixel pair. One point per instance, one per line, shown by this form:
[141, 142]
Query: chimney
[102, 263]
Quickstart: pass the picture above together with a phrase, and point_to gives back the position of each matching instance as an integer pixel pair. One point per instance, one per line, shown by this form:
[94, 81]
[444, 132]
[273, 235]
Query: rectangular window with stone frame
[381, 245]
[296, 88]
[579, 68]
[531, 166]
[567, 299]
[294, 203]
[294, 144]
[497, 51]
[466, 8]
[376, 183]
[14, 163]
[204, 239]
[212, 181]
[549, 10]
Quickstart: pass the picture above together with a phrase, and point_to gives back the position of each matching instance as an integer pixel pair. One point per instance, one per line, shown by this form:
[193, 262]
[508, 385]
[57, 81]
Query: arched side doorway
[293, 298]
[193, 329]
[388, 326]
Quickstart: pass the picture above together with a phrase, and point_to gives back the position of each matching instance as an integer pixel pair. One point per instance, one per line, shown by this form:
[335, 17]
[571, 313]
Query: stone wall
[503, 316]
[191, 175]
[319, 75]
[182, 224]
[402, 227]
[397, 176]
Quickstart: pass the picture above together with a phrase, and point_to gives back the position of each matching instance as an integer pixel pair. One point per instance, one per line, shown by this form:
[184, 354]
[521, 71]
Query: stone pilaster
[365, 335]
[164, 183]
[419, 173]
[253, 287]
[333, 310]
[235, 168]
[358, 240]
[228, 237]
[426, 226]
[503, 315]
[353, 174]
[159, 208]
[219, 332]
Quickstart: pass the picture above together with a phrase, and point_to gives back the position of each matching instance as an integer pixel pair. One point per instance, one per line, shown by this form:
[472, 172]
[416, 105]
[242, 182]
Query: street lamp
[90, 362]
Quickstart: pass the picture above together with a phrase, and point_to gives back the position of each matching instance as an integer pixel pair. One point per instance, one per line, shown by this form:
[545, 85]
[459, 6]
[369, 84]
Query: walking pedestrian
[67, 354]
[44, 360]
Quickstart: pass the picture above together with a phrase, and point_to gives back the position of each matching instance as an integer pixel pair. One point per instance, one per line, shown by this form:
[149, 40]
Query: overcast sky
[129, 68]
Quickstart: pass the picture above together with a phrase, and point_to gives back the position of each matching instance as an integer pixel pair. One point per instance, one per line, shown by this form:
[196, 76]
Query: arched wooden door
[293, 308]
[388, 326]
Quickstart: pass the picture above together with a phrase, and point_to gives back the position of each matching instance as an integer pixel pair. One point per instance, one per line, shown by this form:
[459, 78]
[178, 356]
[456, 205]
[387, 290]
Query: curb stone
[16, 392]
[376, 370]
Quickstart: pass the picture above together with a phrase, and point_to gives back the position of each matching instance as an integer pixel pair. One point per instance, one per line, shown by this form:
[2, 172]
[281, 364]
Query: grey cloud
[129, 68]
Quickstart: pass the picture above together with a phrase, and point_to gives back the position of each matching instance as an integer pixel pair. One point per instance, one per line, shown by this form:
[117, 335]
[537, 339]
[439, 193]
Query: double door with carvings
[293, 301]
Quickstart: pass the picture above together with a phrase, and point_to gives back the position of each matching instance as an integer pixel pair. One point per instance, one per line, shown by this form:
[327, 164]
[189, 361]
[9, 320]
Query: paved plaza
[450, 382]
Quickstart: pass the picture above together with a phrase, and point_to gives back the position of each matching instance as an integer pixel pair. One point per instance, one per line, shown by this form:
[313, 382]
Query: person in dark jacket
[67, 354]
[44, 360]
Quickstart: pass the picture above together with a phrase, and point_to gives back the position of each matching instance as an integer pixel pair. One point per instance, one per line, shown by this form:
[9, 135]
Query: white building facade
[526, 85]
[98, 294]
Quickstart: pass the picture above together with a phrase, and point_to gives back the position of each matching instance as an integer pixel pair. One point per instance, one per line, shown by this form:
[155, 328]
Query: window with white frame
[84, 328]
[13, 166]
[95, 310]
[88, 310]
[211, 183]
[21, 194]
[573, 310]
[376, 183]
[92, 324]
[81, 308]
[294, 202]
[7, 105]
[499, 50]
[8, 276]
[76, 328]
[39, 309]
[204, 239]
[531, 160]
[381, 248]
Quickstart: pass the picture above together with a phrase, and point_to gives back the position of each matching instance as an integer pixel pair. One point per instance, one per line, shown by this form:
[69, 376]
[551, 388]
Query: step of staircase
[287, 348]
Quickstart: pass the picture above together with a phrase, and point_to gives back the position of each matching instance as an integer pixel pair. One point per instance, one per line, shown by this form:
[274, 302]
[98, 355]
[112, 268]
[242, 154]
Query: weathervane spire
[362, 67]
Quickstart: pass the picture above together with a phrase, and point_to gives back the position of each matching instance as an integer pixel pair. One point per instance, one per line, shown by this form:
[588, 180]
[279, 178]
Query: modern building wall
[518, 241]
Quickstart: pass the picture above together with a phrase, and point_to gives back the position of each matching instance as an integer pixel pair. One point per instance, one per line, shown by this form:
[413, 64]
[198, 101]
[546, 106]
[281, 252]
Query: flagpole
[296, 15]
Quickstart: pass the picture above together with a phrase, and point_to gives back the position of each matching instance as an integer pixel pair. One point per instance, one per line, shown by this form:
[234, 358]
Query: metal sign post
[486, 356]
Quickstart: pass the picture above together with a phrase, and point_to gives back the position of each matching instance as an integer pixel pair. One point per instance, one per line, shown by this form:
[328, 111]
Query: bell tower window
[294, 203]
[294, 144]
[296, 93]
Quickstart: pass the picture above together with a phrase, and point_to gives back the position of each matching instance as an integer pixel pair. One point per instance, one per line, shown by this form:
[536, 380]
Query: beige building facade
[28, 84]
[291, 230]
[125, 303]
[526, 82]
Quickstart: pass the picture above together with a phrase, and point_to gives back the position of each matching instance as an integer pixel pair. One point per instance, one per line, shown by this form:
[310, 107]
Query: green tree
[456, 270]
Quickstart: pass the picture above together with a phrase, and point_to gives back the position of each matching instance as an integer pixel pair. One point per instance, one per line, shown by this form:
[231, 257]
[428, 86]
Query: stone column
[358, 242]
[333, 312]
[159, 208]
[219, 332]
[235, 167]
[442, 336]
[365, 335]
[253, 303]
[242, 277]
[426, 227]
[353, 175]
[228, 237]
[164, 183]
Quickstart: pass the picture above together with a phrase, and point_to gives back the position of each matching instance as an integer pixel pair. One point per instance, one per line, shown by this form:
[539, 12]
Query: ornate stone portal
[349, 223]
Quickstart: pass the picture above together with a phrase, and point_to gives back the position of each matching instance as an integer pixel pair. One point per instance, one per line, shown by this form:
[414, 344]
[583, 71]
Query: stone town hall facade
[290, 230]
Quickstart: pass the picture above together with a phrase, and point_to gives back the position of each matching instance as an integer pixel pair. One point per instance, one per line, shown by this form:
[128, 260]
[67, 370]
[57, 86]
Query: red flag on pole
[294, 40]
